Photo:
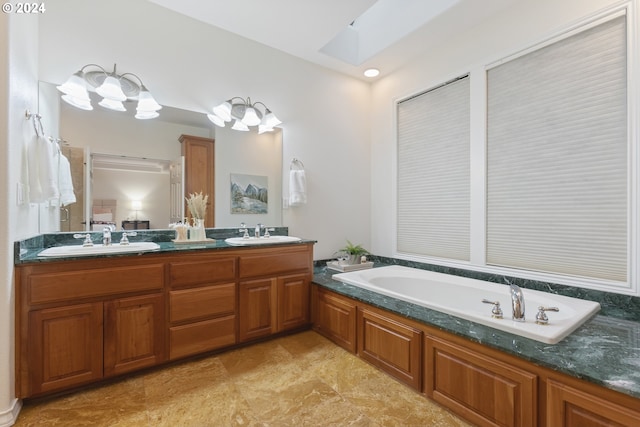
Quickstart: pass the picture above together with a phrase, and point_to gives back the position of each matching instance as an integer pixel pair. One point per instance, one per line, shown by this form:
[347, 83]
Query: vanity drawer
[203, 336]
[73, 285]
[197, 303]
[202, 271]
[276, 261]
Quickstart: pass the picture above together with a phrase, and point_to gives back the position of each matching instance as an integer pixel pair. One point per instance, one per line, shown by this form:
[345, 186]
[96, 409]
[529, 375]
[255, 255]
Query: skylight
[383, 24]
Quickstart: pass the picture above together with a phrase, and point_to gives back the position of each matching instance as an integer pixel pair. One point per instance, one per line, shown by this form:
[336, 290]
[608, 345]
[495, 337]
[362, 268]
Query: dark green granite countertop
[605, 350]
[26, 251]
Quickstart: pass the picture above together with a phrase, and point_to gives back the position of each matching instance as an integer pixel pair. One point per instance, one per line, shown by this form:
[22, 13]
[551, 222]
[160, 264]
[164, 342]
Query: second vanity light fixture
[244, 113]
[112, 87]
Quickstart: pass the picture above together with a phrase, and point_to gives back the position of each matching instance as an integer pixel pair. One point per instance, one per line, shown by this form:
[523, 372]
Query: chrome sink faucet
[106, 236]
[257, 230]
[517, 302]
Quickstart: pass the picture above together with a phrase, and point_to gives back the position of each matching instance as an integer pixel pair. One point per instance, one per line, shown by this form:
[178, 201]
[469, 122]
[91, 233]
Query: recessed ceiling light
[371, 72]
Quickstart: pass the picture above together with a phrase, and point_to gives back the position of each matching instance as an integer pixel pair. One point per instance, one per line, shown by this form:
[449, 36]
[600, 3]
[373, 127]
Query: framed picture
[249, 194]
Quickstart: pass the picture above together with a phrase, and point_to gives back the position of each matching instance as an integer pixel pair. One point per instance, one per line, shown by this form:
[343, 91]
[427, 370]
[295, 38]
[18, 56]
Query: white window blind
[433, 172]
[557, 182]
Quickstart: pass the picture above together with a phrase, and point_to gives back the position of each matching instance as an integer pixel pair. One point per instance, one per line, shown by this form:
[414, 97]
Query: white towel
[65, 183]
[297, 188]
[43, 183]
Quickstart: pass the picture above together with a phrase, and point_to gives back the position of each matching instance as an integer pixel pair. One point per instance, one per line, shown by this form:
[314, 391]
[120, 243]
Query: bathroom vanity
[81, 320]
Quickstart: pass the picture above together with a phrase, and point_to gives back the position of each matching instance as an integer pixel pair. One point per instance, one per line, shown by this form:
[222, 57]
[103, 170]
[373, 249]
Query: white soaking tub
[462, 297]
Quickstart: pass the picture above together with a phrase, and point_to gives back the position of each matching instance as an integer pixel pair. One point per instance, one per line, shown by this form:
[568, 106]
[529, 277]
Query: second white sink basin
[116, 248]
[241, 241]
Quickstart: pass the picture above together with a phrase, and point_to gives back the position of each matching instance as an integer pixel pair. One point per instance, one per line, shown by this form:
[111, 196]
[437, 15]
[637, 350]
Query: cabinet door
[199, 155]
[134, 333]
[335, 318]
[394, 347]
[257, 309]
[483, 390]
[293, 301]
[570, 407]
[65, 346]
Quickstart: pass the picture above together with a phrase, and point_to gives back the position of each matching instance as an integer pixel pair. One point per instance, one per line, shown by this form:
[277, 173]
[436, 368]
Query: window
[433, 172]
[557, 155]
[552, 181]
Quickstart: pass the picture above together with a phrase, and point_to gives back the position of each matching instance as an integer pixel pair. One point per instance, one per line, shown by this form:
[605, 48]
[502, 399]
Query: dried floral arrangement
[197, 204]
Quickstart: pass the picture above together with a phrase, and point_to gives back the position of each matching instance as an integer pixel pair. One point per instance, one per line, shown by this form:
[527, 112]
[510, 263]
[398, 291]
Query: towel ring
[296, 164]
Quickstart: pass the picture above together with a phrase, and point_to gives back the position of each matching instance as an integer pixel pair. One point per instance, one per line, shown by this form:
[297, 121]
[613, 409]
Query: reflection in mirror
[117, 160]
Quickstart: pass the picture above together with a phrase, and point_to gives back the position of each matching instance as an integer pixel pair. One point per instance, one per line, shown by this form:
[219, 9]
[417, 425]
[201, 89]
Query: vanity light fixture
[112, 87]
[244, 113]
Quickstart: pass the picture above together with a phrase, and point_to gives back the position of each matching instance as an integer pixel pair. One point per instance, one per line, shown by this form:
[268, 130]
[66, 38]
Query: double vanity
[84, 318]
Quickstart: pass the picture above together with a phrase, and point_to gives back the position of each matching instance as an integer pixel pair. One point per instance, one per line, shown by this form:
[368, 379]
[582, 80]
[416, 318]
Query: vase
[197, 232]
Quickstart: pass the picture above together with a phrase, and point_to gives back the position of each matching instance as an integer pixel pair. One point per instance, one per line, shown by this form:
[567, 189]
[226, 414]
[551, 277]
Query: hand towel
[297, 188]
[47, 170]
[65, 183]
[43, 182]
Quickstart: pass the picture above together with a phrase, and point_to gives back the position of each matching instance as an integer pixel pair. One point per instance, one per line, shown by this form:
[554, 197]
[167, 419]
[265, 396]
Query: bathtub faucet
[517, 302]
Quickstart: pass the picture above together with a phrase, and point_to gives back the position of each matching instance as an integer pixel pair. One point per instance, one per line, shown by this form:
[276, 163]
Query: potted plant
[355, 252]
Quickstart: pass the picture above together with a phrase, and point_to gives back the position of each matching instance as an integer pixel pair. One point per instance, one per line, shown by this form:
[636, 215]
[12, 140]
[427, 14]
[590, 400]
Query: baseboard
[10, 416]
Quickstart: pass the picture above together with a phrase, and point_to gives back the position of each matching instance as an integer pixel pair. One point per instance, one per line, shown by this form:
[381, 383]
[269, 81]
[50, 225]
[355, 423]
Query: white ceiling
[385, 34]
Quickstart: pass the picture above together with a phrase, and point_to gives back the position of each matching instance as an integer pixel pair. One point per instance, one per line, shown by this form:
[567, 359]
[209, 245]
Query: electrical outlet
[285, 203]
[21, 194]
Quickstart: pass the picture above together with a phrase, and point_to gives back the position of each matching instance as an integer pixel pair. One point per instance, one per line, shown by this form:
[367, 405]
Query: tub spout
[517, 302]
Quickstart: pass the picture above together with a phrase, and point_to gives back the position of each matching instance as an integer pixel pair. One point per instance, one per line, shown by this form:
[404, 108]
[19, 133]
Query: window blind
[433, 172]
[557, 174]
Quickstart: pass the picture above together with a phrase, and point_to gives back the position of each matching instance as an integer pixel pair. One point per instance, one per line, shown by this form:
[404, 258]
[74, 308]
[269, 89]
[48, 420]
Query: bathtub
[462, 297]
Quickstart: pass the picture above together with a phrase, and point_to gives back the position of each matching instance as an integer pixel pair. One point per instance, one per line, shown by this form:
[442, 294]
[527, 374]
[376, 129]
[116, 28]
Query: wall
[259, 155]
[515, 28]
[18, 92]
[190, 65]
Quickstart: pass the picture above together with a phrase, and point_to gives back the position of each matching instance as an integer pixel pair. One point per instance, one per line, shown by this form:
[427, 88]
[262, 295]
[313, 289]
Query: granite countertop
[27, 251]
[605, 350]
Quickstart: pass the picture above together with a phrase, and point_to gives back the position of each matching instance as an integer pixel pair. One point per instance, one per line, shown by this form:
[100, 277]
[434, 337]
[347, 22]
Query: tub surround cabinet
[483, 385]
[80, 321]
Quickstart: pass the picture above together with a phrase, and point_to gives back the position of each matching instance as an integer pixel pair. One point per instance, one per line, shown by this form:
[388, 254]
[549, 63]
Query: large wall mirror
[122, 168]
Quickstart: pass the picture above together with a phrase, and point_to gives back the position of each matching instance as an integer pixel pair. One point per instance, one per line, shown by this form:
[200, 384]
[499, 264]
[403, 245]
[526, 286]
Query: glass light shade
[77, 102]
[146, 101]
[262, 129]
[112, 105]
[216, 120]
[270, 120]
[111, 89]
[250, 117]
[75, 86]
[371, 72]
[144, 115]
[223, 111]
[238, 125]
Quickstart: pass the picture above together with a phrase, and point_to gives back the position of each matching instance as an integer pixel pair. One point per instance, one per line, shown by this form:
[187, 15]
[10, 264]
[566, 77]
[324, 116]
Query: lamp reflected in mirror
[136, 205]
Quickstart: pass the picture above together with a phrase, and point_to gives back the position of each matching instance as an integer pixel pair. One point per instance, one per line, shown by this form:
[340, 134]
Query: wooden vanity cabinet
[202, 304]
[80, 321]
[274, 291]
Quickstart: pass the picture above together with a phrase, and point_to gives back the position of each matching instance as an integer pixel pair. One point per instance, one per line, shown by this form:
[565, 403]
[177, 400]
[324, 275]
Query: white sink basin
[116, 248]
[462, 297]
[241, 241]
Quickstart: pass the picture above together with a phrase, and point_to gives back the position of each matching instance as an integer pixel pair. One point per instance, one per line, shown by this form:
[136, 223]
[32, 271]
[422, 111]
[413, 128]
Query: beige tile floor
[299, 380]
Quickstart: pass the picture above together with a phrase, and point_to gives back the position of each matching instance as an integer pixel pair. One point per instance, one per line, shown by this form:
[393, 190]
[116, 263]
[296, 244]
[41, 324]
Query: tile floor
[299, 380]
